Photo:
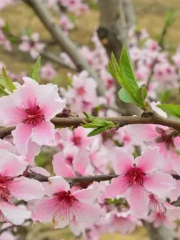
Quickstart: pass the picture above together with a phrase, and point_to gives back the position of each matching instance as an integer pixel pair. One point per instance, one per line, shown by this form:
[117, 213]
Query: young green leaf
[124, 96]
[123, 73]
[171, 110]
[98, 131]
[6, 82]
[127, 70]
[141, 95]
[34, 74]
[3, 92]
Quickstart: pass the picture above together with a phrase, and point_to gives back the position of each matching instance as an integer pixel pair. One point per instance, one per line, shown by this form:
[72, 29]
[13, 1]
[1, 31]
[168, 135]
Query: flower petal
[117, 187]
[138, 200]
[26, 189]
[12, 165]
[45, 209]
[43, 133]
[60, 168]
[122, 160]
[14, 214]
[58, 184]
[159, 183]
[150, 160]
[21, 136]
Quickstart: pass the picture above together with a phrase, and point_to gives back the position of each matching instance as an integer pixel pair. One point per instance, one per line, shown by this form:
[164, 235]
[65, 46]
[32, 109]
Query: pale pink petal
[87, 213]
[60, 168]
[159, 183]
[45, 209]
[87, 195]
[81, 162]
[174, 160]
[117, 187]
[122, 160]
[51, 100]
[43, 133]
[12, 165]
[138, 200]
[33, 150]
[34, 53]
[35, 37]
[21, 136]
[150, 160]
[142, 133]
[60, 221]
[58, 184]
[175, 193]
[11, 115]
[41, 171]
[14, 214]
[26, 189]
[25, 46]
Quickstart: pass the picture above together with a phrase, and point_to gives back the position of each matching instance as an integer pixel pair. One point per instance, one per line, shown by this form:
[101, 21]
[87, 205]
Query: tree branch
[55, 59]
[145, 118]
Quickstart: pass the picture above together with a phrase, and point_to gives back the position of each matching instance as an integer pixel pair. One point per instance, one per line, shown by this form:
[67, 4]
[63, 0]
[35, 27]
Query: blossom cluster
[139, 190]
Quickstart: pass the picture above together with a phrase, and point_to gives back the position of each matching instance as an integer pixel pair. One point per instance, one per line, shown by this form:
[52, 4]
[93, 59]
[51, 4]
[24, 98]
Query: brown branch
[146, 118]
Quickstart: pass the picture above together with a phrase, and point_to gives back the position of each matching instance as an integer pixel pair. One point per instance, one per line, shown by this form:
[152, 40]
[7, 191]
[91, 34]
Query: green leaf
[123, 73]
[127, 70]
[7, 82]
[124, 96]
[164, 96]
[98, 131]
[171, 110]
[141, 95]
[34, 74]
[3, 92]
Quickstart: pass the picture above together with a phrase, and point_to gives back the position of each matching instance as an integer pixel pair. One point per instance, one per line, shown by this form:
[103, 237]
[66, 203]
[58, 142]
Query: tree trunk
[112, 32]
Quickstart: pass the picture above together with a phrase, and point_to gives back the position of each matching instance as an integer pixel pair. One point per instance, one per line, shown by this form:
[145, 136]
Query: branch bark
[146, 118]
[65, 43]
[112, 32]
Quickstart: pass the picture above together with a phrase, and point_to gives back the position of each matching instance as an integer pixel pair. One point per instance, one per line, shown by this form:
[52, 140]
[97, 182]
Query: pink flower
[12, 186]
[48, 72]
[64, 206]
[79, 137]
[65, 23]
[139, 177]
[161, 137]
[122, 222]
[32, 45]
[72, 164]
[31, 111]
[82, 96]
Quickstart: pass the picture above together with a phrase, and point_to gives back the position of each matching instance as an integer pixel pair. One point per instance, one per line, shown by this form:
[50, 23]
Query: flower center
[4, 191]
[35, 116]
[80, 91]
[76, 140]
[66, 198]
[135, 176]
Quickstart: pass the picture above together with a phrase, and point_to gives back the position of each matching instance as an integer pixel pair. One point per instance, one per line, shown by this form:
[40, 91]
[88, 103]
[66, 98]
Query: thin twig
[56, 59]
